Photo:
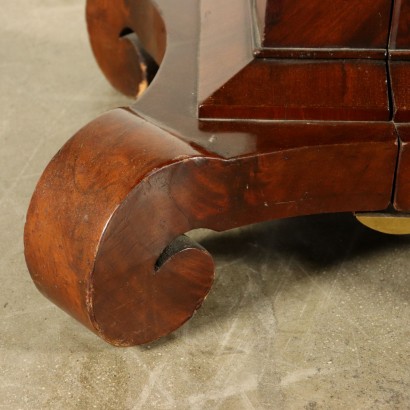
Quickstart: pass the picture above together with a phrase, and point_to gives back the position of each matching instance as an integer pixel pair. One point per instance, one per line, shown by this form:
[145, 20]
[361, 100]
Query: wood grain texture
[400, 90]
[104, 237]
[122, 191]
[323, 53]
[399, 64]
[402, 185]
[354, 90]
[78, 195]
[235, 83]
[218, 63]
[121, 33]
[399, 44]
[318, 23]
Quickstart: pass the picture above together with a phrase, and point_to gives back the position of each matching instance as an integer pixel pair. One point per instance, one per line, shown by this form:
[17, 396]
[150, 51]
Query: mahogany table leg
[103, 232]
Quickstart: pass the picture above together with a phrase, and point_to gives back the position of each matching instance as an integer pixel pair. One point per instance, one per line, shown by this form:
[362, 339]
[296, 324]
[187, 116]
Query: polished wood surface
[122, 190]
[324, 23]
[399, 73]
[303, 90]
[399, 45]
[104, 237]
[400, 90]
[121, 33]
[281, 88]
[402, 188]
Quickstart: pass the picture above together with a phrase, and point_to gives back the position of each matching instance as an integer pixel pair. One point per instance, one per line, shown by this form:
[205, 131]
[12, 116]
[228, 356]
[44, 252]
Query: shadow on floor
[321, 240]
[318, 243]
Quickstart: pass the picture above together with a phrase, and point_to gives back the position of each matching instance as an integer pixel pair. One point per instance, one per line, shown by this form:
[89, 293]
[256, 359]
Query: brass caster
[392, 223]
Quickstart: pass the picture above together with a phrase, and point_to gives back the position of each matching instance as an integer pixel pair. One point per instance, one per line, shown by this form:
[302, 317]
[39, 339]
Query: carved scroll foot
[128, 41]
[103, 233]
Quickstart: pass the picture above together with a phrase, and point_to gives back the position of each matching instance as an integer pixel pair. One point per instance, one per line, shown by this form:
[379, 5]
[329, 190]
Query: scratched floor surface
[307, 313]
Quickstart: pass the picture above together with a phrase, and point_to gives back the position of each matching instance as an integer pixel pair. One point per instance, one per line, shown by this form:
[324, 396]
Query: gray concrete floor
[308, 313]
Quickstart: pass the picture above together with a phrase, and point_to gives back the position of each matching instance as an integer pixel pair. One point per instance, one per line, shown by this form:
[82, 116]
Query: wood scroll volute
[103, 233]
[104, 237]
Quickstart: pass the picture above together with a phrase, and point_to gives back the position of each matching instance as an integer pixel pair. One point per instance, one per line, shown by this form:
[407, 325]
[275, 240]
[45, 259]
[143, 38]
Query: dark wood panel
[321, 53]
[303, 90]
[79, 190]
[400, 30]
[104, 233]
[102, 228]
[324, 23]
[402, 186]
[400, 89]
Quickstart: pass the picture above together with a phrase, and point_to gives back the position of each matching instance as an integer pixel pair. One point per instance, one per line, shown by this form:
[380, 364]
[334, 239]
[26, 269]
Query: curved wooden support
[104, 237]
[103, 233]
[127, 38]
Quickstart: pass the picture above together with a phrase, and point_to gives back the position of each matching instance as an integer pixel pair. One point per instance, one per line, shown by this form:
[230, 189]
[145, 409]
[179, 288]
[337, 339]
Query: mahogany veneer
[323, 24]
[230, 132]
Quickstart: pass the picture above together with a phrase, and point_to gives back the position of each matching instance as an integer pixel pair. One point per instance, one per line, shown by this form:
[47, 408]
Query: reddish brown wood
[303, 90]
[82, 191]
[122, 190]
[399, 66]
[400, 89]
[402, 186]
[399, 52]
[318, 23]
[322, 53]
[120, 31]
[104, 237]
[241, 86]
[399, 46]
